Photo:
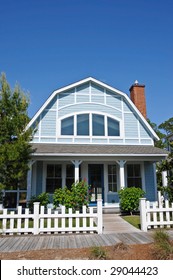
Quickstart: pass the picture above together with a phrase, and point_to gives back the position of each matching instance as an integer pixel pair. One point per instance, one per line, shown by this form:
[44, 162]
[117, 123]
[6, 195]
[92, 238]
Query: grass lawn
[134, 220]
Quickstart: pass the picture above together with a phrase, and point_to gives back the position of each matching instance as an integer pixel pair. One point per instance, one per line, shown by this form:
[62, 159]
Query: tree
[167, 126]
[15, 149]
[161, 143]
[163, 131]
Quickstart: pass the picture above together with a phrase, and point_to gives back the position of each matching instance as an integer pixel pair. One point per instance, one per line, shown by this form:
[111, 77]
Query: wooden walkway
[116, 230]
[40, 242]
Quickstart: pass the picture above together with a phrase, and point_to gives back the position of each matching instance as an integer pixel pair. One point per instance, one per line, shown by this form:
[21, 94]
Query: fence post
[36, 218]
[142, 205]
[100, 216]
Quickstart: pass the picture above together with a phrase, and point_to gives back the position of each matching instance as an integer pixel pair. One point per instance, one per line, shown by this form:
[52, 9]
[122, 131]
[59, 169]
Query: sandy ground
[116, 252]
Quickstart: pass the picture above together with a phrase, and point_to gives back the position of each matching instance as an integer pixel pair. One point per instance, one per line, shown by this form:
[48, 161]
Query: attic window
[67, 126]
[83, 124]
[113, 127]
[90, 125]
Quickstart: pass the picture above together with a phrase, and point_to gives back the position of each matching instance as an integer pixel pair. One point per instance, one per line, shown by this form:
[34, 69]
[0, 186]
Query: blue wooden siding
[143, 132]
[52, 104]
[150, 182]
[130, 126]
[91, 97]
[48, 123]
[112, 198]
[89, 107]
[95, 89]
[85, 88]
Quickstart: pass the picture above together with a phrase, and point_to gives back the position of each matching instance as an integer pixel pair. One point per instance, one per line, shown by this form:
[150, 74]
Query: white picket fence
[51, 221]
[159, 214]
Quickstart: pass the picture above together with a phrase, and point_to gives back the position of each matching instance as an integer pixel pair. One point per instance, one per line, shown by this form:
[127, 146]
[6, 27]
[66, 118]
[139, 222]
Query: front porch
[105, 177]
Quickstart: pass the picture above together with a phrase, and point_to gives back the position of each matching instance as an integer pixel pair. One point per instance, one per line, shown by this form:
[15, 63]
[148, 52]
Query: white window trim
[106, 116]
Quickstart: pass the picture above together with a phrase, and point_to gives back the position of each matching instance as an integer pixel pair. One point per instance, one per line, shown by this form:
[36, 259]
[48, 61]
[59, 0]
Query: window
[90, 124]
[83, 124]
[134, 175]
[67, 126]
[98, 125]
[112, 178]
[113, 127]
[53, 180]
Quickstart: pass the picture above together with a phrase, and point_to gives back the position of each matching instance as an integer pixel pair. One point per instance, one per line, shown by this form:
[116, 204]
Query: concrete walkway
[113, 223]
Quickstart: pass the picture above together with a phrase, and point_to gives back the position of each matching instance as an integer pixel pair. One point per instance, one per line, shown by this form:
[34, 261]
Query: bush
[43, 198]
[74, 198]
[129, 199]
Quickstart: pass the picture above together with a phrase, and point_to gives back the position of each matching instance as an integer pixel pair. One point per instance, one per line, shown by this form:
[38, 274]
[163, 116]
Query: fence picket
[51, 221]
[162, 215]
[19, 221]
[11, 222]
[167, 213]
[148, 218]
[155, 204]
[70, 221]
[26, 221]
[4, 222]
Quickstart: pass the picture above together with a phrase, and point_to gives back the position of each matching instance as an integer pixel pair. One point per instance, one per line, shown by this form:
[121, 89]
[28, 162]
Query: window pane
[112, 178]
[50, 170]
[137, 171]
[57, 170]
[67, 126]
[113, 127]
[130, 170]
[53, 184]
[134, 175]
[98, 125]
[83, 124]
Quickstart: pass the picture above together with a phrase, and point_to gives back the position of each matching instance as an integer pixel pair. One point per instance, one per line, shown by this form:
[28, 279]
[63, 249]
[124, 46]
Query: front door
[96, 181]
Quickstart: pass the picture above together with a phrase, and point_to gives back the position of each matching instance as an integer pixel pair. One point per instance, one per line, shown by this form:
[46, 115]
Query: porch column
[164, 178]
[76, 166]
[29, 180]
[121, 164]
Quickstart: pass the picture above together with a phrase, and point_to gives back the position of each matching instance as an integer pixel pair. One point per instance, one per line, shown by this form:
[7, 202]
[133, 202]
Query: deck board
[23, 243]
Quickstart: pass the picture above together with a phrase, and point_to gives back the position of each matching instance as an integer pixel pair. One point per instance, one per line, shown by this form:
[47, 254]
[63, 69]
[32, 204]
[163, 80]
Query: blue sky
[47, 44]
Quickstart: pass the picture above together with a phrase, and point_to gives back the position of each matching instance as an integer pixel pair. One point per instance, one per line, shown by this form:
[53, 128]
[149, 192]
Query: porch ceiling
[66, 150]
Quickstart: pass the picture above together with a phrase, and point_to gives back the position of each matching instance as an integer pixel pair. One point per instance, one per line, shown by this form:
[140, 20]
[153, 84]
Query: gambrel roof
[101, 84]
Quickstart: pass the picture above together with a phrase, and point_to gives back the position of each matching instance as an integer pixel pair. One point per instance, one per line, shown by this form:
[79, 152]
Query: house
[91, 130]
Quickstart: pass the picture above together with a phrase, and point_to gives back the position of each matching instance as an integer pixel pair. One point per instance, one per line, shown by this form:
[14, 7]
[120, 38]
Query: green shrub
[129, 199]
[43, 198]
[73, 198]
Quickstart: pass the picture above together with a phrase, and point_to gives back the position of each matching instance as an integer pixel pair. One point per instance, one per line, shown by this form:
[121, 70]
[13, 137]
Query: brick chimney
[137, 95]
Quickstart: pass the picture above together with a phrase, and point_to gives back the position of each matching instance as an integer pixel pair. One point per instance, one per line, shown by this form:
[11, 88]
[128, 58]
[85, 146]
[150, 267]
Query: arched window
[113, 127]
[67, 126]
[83, 124]
[90, 124]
